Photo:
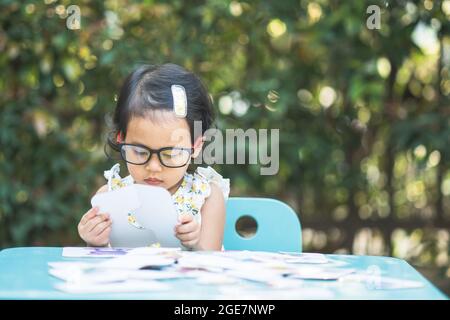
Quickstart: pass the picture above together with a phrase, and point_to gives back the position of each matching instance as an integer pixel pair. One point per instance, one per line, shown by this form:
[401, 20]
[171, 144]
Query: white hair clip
[179, 100]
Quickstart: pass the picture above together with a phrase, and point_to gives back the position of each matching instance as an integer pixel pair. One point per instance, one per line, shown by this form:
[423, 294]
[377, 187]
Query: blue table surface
[24, 275]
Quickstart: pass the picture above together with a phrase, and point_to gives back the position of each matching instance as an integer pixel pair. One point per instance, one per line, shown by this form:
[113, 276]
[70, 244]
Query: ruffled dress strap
[212, 176]
[114, 179]
[195, 188]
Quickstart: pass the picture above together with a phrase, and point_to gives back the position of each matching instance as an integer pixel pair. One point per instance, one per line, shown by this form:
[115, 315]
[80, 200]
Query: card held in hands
[141, 216]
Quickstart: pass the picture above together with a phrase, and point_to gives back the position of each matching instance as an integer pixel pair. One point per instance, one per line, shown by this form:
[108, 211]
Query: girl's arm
[213, 221]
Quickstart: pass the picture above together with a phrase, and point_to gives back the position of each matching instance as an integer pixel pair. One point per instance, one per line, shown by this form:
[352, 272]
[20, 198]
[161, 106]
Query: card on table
[93, 252]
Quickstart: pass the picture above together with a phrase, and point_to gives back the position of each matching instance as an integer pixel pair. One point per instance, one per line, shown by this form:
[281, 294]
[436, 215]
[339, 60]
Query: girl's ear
[119, 137]
[198, 145]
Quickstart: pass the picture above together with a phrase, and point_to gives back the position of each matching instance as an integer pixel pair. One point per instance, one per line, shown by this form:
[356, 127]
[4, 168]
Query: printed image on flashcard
[93, 252]
[141, 216]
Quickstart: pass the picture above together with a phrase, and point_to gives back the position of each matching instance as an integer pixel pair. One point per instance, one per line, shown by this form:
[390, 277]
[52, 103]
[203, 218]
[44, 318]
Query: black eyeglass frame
[152, 151]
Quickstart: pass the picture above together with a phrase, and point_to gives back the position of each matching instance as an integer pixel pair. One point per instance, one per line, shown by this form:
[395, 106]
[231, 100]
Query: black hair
[148, 89]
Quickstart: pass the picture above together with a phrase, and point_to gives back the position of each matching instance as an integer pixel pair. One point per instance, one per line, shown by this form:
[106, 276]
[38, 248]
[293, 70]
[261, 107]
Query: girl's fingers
[185, 218]
[91, 224]
[187, 236]
[103, 238]
[189, 244]
[99, 228]
[187, 228]
[105, 233]
[89, 215]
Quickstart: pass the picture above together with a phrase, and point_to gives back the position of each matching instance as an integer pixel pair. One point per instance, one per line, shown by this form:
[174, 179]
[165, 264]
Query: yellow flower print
[191, 203]
[179, 199]
[131, 219]
[133, 222]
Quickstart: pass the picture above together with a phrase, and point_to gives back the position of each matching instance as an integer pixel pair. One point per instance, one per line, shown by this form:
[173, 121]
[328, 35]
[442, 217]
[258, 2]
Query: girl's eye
[171, 153]
[139, 152]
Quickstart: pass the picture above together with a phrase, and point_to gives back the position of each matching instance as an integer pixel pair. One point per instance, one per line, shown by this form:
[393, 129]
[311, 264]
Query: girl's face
[163, 129]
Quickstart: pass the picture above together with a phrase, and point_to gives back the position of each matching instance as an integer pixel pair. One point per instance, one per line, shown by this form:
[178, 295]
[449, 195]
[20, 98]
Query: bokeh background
[364, 115]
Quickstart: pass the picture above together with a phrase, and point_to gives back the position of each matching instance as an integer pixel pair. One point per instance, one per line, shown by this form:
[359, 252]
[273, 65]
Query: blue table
[24, 275]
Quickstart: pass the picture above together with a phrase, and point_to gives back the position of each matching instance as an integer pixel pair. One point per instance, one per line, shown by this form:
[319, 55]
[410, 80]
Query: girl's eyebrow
[144, 145]
[137, 142]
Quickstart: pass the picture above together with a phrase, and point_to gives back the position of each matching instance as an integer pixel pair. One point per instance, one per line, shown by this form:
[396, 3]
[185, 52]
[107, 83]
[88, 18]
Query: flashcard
[93, 252]
[141, 216]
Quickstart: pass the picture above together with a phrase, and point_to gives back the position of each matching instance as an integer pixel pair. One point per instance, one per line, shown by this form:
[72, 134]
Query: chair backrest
[278, 227]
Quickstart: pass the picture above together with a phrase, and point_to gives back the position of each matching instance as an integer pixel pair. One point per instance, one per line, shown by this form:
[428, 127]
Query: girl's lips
[153, 182]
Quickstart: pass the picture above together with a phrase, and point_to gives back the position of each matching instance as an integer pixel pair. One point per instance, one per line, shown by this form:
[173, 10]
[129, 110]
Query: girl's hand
[188, 231]
[95, 228]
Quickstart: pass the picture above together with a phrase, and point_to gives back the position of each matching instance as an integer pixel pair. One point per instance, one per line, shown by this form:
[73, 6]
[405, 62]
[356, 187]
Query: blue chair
[278, 227]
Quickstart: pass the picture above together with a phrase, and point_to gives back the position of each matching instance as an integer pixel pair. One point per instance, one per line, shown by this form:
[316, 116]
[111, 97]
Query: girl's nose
[153, 164]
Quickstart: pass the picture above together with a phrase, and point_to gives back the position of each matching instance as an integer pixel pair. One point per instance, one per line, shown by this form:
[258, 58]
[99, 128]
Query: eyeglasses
[171, 157]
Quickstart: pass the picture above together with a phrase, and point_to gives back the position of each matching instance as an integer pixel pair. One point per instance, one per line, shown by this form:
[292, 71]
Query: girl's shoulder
[200, 182]
[196, 188]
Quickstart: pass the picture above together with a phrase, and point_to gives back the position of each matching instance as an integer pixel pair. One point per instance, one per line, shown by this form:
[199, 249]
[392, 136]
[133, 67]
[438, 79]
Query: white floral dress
[190, 196]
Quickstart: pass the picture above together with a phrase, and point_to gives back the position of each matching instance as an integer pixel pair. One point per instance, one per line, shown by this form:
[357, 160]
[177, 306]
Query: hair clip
[179, 100]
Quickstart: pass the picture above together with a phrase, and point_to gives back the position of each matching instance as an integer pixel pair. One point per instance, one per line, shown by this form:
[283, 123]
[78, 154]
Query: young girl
[154, 133]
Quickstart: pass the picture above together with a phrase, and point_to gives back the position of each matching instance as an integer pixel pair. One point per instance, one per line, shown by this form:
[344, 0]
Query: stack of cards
[152, 269]
[129, 270]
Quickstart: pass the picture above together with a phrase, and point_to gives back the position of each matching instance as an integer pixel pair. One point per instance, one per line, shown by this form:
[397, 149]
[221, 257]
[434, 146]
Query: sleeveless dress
[190, 196]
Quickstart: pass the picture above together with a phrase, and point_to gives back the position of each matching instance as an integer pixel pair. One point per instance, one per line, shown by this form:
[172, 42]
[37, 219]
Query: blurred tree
[363, 114]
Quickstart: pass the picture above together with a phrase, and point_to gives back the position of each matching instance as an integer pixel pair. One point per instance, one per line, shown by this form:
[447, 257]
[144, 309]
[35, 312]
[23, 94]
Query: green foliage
[363, 114]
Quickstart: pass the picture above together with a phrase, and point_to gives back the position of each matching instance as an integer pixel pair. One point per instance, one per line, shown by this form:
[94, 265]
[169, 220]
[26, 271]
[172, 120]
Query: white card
[313, 273]
[135, 262]
[306, 258]
[263, 276]
[120, 200]
[210, 262]
[142, 215]
[380, 282]
[112, 275]
[93, 252]
[153, 251]
[114, 287]
[215, 279]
